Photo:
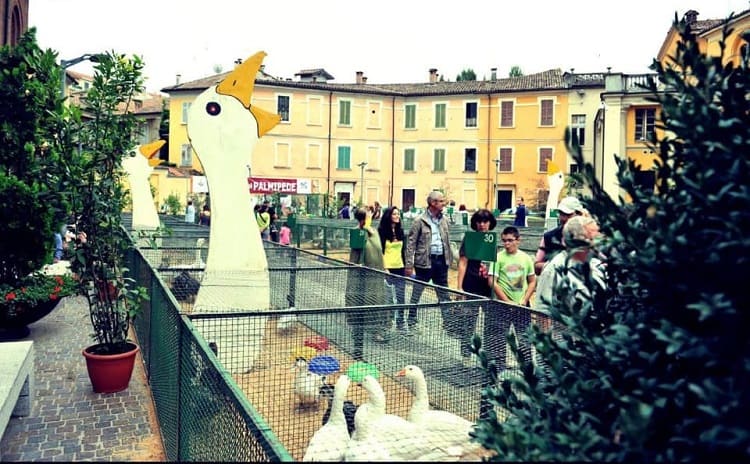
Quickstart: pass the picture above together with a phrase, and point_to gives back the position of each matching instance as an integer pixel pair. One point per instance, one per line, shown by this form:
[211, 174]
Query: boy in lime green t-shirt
[514, 270]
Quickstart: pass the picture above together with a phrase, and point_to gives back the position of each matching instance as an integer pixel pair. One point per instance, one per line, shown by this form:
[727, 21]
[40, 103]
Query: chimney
[364, 79]
[433, 75]
[691, 16]
[177, 78]
[359, 77]
[262, 68]
[493, 74]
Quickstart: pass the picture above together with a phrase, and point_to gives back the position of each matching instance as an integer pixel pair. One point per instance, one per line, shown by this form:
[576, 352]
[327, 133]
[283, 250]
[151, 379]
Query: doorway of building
[504, 199]
[407, 199]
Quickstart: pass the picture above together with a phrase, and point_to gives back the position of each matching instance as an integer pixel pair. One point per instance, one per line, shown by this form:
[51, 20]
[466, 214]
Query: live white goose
[223, 128]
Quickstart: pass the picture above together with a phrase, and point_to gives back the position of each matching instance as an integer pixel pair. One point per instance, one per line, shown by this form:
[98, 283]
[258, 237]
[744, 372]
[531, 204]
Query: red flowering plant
[34, 291]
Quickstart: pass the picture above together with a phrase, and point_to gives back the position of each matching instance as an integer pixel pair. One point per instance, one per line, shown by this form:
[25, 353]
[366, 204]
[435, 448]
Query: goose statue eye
[213, 108]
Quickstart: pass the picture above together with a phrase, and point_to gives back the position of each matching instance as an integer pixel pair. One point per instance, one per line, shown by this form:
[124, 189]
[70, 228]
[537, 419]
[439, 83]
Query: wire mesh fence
[240, 382]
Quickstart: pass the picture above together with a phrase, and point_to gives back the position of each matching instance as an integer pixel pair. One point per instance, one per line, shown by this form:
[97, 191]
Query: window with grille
[546, 112]
[545, 156]
[282, 107]
[506, 114]
[409, 156]
[344, 159]
[645, 119]
[470, 160]
[438, 160]
[471, 114]
[578, 129]
[440, 109]
[410, 116]
[345, 112]
[505, 160]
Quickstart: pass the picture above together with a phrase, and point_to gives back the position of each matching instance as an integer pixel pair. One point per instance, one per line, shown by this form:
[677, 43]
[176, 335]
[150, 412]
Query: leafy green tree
[105, 137]
[656, 367]
[515, 71]
[33, 186]
[467, 74]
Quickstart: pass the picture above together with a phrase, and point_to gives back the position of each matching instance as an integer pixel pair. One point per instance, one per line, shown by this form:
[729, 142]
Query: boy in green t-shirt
[514, 282]
[514, 270]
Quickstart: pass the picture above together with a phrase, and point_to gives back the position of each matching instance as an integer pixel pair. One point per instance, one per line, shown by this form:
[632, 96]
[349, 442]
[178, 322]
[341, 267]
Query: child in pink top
[285, 235]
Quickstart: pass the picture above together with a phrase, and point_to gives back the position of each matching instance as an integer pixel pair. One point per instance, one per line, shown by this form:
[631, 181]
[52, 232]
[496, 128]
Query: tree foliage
[515, 71]
[656, 367]
[32, 187]
[467, 74]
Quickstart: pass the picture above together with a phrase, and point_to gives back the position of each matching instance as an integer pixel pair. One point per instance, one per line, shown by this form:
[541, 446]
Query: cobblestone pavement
[68, 421]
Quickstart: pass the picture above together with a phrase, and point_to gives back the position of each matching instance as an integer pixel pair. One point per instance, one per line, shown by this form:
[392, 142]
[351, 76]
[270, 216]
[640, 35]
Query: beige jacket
[419, 239]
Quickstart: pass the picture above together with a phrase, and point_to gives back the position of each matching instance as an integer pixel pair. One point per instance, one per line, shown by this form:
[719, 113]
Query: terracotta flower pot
[110, 373]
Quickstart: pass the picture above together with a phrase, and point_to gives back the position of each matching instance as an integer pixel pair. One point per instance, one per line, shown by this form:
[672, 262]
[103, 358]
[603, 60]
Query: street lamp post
[362, 180]
[65, 64]
[497, 168]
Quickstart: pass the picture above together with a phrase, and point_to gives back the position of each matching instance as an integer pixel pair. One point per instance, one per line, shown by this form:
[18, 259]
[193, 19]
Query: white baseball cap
[569, 205]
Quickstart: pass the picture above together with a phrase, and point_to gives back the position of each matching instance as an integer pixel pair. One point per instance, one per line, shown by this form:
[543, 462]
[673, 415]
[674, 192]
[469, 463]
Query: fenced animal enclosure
[320, 308]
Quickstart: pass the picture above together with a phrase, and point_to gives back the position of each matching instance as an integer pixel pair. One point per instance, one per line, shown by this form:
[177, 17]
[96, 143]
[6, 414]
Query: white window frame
[351, 105]
[186, 155]
[289, 108]
[539, 116]
[372, 157]
[445, 159]
[513, 102]
[576, 127]
[476, 159]
[414, 161]
[539, 157]
[512, 158]
[476, 120]
[185, 111]
[414, 105]
[338, 149]
[435, 115]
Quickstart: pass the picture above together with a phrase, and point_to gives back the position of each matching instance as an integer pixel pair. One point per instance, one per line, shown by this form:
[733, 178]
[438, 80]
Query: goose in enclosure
[330, 441]
[223, 128]
[453, 430]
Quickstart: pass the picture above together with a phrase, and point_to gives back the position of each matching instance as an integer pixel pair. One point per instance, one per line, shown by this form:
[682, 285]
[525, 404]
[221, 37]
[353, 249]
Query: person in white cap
[552, 240]
[579, 233]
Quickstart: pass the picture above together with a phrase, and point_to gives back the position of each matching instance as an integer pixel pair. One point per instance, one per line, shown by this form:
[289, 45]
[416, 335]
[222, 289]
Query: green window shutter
[409, 159]
[344, 158]
[439, 160]
[345, 112]
[440, 116]
[411, 117]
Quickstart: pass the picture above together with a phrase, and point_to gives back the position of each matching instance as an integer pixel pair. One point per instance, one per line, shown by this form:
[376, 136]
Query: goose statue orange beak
[150, 150]
[240, 84]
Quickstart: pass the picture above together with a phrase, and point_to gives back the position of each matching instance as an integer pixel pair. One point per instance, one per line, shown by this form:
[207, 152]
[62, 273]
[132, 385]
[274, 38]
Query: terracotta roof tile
[545, 80]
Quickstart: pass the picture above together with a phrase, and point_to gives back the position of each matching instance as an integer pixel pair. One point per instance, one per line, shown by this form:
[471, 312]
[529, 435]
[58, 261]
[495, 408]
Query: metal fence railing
[208, 409]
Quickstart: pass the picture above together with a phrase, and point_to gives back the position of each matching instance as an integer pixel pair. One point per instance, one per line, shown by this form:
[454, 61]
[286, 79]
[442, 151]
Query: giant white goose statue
[138, 169]
[223, 128]
[556, 182]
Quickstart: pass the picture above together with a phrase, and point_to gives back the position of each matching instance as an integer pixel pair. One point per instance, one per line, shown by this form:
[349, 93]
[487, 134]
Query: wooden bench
[16, 380]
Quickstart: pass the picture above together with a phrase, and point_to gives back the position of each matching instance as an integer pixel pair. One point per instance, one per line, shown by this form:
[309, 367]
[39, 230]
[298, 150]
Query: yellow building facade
[483, 143]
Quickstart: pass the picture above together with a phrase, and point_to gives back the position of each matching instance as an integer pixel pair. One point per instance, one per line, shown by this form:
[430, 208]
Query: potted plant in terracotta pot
[105, 131]
[33, 187]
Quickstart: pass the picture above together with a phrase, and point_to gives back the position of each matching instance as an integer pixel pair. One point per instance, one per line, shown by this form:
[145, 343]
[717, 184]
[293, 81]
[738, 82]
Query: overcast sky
[391, 41]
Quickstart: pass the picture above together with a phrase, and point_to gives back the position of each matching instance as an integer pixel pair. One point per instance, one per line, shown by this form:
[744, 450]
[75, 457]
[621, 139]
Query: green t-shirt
[512, 273]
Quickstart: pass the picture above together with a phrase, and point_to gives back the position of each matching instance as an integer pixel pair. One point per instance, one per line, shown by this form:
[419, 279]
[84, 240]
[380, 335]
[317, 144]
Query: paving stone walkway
[68, 421]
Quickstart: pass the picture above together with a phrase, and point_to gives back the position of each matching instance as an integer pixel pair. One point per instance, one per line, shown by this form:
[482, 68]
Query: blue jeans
[438, 273]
